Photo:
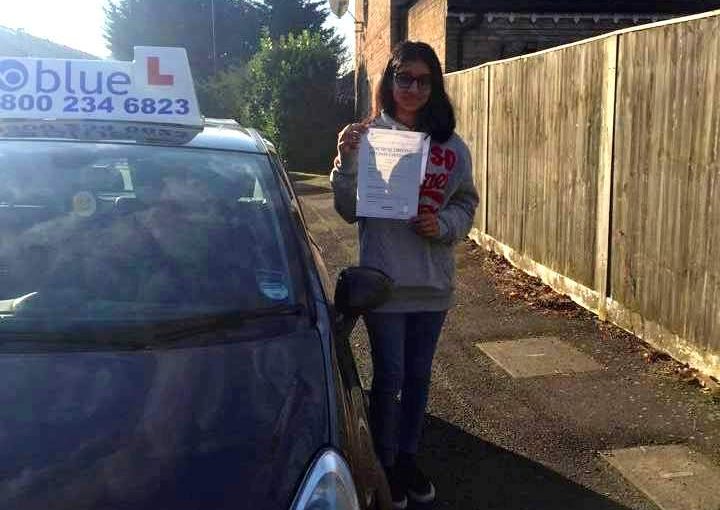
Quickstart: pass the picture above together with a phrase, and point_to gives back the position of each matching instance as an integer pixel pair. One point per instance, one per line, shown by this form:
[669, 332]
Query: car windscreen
[115, 233]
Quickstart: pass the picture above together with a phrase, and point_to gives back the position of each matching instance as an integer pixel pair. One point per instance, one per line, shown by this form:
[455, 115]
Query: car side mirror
[360, 290]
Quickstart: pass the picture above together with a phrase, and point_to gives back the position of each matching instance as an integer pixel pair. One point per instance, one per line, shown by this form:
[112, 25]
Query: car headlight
[328, 485]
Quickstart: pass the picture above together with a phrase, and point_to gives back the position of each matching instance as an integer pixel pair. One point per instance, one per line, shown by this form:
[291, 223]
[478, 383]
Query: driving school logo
[13, 75]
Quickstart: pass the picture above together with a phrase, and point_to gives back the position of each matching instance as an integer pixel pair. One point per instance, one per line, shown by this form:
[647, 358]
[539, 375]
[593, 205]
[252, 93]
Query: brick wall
[386, 23]
[373, 45]
[426, 22]
[497, 38]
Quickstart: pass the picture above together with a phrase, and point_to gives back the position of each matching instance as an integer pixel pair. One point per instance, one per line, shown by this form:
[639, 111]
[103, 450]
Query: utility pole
[212, 31]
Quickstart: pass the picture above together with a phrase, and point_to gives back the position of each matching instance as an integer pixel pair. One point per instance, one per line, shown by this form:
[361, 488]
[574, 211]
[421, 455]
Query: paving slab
[533, 357]
[674, 477]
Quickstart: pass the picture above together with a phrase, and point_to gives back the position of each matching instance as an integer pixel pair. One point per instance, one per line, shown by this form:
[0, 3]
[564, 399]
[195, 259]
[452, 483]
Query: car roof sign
[98, 131]
[156, 87]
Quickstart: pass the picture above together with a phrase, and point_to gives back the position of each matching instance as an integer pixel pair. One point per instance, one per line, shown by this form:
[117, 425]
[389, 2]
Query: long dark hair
[437, 117]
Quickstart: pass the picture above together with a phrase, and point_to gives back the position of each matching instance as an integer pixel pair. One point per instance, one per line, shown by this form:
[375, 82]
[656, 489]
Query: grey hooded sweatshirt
[423, 269]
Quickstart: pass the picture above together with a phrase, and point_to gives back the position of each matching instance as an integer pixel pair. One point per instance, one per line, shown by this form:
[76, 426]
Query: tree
[283, 81]
[225, 94]
[294, 16]
[292, 97]
[187, 23]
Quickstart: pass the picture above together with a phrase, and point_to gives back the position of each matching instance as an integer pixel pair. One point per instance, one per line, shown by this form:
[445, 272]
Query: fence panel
[665, 260]
[469, 93]
[546, 125]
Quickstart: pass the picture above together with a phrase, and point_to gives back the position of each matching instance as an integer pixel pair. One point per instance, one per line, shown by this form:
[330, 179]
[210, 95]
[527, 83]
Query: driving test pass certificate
[391, 167]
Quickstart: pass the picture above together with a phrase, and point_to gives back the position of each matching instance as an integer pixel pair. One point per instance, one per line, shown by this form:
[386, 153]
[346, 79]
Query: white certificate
[391, 167]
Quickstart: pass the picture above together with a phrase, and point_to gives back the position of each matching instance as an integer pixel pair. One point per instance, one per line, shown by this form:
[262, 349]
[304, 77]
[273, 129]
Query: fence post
[484, 191]
[605, 176]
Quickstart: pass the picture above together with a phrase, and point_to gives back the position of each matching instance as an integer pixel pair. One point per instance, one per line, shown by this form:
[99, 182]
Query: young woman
[417, 254]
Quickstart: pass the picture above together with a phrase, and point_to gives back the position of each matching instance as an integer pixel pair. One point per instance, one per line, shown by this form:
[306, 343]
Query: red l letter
[154, 76]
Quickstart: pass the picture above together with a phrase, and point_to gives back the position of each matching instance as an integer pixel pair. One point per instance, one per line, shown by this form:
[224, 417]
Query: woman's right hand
[349, 138]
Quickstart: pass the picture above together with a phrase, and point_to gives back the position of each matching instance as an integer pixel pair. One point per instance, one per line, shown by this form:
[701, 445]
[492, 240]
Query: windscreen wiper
[147, 334]
[177, 329]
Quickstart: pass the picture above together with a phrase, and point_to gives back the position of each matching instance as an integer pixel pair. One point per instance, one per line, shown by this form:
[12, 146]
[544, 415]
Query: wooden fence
[599, 165]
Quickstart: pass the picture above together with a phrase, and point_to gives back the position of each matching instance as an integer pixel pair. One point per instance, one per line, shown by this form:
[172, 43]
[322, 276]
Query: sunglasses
[405, 81]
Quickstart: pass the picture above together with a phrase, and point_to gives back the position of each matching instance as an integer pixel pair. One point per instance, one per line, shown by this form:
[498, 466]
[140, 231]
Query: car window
[120, 232]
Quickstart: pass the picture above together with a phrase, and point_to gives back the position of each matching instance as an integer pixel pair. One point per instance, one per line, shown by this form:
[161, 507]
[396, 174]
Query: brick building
[466, 33]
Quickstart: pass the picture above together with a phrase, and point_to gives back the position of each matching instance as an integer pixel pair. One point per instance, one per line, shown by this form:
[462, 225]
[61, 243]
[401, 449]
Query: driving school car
[167, 340]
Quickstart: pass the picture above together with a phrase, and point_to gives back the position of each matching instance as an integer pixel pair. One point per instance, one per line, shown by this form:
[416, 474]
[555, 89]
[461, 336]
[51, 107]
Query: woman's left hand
[426, 225]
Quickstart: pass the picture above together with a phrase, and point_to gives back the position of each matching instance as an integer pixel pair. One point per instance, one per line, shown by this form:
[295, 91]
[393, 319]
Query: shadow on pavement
[470, 473]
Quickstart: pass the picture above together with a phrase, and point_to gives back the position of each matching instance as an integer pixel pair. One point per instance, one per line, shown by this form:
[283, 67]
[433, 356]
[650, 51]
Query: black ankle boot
[397, 488]
[418, 486]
